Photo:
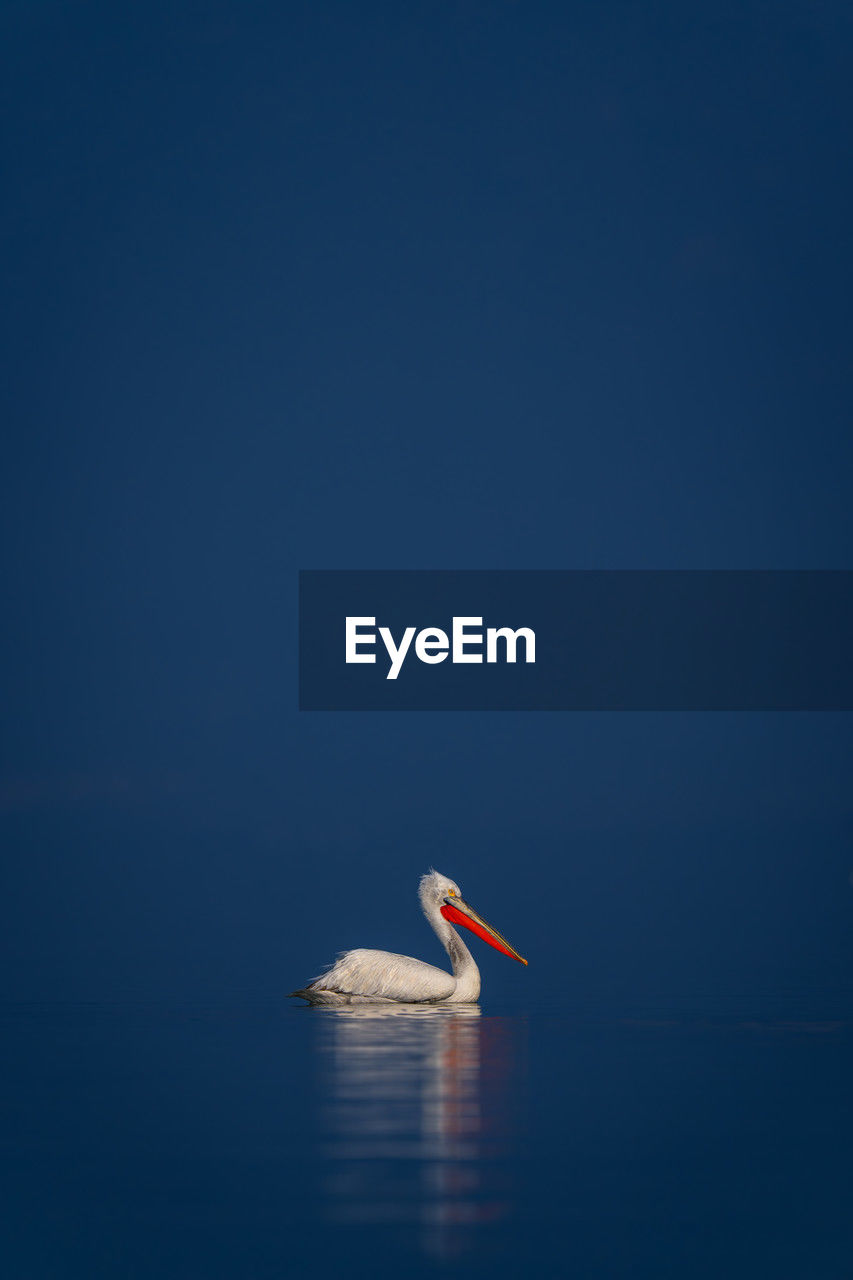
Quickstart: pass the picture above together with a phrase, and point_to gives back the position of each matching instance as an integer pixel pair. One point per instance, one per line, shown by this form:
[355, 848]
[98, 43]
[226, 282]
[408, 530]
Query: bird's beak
[458, 912]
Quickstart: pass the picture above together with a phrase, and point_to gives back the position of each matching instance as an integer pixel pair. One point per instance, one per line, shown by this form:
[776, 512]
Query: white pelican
[380, 975]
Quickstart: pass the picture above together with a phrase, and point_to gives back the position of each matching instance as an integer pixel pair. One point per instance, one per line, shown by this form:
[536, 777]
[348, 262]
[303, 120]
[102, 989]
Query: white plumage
[362, 975]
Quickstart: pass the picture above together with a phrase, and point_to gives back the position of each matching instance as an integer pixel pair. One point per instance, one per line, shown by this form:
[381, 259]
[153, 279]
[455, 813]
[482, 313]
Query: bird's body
[363, 975]
[382, 975]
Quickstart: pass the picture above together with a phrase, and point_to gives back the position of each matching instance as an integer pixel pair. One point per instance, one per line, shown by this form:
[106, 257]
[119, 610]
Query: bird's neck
[464, 965]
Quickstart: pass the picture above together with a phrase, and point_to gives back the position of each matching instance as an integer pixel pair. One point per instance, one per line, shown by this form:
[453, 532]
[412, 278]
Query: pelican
[357, 976]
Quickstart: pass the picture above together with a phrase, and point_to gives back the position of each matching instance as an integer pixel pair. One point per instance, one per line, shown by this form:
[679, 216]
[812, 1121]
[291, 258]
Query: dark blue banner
[575, 640]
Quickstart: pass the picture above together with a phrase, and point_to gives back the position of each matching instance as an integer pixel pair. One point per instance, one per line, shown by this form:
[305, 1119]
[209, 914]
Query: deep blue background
[413, 286]
[474, 285]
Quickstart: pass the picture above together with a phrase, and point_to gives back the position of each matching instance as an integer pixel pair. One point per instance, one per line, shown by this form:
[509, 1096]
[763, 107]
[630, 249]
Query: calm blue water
[262, 1138]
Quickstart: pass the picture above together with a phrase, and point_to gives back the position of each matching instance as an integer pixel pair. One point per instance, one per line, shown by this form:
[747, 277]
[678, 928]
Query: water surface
[256, 1137]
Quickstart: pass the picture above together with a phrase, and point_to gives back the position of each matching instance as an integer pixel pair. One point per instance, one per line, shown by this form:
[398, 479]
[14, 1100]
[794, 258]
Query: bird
[359, 976]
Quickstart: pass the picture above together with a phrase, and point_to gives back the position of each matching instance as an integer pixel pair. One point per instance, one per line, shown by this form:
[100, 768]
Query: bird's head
[442, 895]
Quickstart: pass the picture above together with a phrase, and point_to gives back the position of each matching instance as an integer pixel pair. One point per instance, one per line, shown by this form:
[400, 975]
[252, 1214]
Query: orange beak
[458, 912]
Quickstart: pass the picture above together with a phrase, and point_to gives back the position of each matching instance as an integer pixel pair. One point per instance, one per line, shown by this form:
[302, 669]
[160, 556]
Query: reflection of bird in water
[380, 975]
[416, 1117]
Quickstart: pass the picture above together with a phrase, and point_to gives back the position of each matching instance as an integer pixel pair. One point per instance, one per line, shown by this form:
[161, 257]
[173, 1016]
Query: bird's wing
[385, 976]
